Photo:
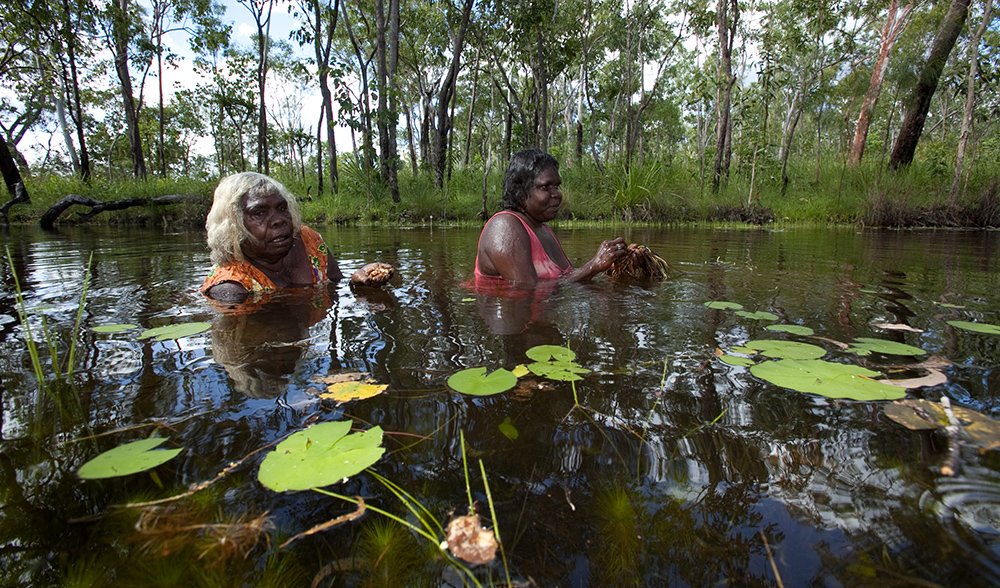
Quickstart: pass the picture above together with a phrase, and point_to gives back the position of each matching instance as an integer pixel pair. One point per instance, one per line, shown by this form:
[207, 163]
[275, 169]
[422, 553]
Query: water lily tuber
[639, 264]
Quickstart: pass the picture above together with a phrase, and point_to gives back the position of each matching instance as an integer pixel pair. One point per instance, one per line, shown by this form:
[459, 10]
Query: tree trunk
[368, 151]
[970, 103]
[322, 42]
[916, 114]
[71, 86]
[120, 22]
[445, 95]
[466, 155]
[386, 58]
[894, 23]
[726, 27]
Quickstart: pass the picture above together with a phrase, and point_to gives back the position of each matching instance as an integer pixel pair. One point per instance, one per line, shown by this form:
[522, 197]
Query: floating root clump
[639, 264]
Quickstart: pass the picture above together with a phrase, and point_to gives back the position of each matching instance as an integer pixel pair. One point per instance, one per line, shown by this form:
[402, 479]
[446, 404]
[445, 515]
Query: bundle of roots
[639, 264]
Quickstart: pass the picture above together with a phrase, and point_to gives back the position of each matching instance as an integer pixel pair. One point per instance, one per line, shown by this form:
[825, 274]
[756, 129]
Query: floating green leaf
[520, 370]
[563, 371]
[868, 345]
[723, 305]
[130, 458]
[321, 455]
[760, 315]
[477, 382]
[736, 360]
[508, 429]
[984, 328]
[171, 332]
[550, 352]
[779, 349]
[793, 329]
[116, 328]
[833, 380]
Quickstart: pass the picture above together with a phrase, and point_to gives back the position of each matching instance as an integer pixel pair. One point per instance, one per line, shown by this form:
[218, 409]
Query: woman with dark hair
[516, 244]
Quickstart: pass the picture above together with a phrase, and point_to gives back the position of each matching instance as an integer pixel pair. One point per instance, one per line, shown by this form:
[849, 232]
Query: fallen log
[96, 207]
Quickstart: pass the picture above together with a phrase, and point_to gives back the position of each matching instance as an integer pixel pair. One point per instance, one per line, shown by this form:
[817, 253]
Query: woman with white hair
[259, 244]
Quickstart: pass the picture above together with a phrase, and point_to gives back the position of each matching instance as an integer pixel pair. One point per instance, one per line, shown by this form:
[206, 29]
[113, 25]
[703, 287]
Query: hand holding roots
[639, 264]
[373, 274]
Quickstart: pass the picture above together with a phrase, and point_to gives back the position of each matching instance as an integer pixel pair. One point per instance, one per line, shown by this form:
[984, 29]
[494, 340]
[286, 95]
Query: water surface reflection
[671, 469]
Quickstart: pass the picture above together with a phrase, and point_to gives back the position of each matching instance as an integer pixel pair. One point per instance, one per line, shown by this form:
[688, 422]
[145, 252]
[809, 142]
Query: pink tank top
[545, 267]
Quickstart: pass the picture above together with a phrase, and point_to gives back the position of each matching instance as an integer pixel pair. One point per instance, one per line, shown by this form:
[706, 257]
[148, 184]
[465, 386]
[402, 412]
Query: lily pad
[736, 360]
[923, 415]
[564, 371]
[868, 345]
[723, 305]
[833, 380]
[550, 353]
[476, 382]
[983, 328]
[342, 392]
[116, 328]
[172, 332]
[508, 429]
[779, 349]
[520, 370]
[130, 458]
[321, 455]
[793, 329]
[760, 315]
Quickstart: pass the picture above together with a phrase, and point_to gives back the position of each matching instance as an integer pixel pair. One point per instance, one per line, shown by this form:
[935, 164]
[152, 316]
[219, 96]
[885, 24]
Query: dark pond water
[664, 466]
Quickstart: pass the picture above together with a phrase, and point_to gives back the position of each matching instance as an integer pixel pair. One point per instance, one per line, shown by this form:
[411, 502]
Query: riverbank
[867, 196]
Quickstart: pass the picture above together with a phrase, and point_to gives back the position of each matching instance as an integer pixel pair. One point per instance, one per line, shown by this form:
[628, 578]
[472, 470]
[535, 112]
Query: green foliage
[476, 382]
[127, 459]
[319, 456]
[833, 380]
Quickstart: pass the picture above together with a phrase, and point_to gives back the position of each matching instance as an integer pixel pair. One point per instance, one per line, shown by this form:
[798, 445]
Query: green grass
[653, 191]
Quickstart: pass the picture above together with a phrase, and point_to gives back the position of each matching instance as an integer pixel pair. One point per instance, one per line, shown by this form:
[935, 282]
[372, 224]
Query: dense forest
[654, 107]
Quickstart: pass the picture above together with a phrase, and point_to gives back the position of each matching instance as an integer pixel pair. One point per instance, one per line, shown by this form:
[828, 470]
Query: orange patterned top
[256, 282]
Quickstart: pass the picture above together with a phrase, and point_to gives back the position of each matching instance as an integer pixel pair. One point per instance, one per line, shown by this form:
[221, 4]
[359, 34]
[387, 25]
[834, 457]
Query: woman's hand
[609, 252]
[373, 274]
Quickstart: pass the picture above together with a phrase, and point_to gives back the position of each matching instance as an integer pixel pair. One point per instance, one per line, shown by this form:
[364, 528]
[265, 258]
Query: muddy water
[663, 466]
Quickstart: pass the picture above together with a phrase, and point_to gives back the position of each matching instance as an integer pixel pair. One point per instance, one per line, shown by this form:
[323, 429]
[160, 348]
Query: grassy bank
[650, 192]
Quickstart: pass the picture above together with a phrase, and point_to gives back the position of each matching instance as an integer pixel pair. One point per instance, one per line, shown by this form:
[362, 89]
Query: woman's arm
[606, 255]
[505, 251]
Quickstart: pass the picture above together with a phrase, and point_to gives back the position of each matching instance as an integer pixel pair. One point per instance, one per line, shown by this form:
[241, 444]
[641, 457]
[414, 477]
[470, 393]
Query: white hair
[225, 226]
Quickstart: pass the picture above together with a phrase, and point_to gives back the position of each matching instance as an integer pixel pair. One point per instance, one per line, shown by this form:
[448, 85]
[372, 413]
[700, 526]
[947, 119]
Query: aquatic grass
[50, 337]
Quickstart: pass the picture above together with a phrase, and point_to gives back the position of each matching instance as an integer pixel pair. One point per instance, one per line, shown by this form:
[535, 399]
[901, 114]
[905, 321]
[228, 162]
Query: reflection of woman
[259, 244]
[261, 347]
[517, 246]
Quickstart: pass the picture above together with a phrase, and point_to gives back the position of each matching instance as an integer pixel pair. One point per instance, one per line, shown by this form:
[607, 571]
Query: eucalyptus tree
[355, 22]
[319, 23]
[727, 16]
[67, 26]
[22, 76]
[387, 62]
[814, 42]
[201, 21]
[968, 112]
[916, 113]
[648, 39]
[121, 24]
[894, 22]
[446, 92]
[261, 11]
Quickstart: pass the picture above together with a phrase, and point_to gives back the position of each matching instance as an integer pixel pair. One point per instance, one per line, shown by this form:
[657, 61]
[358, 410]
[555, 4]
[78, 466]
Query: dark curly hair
[524, 167]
